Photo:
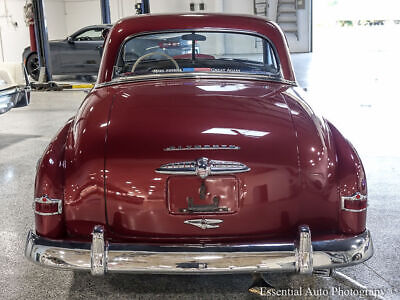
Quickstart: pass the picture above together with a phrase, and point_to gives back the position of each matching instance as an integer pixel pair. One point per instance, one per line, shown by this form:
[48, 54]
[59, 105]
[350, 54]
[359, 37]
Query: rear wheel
[32, 66]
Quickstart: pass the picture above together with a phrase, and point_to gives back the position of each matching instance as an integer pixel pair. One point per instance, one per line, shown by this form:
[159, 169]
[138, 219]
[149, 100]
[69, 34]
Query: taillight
[355, 203]
[46, 206]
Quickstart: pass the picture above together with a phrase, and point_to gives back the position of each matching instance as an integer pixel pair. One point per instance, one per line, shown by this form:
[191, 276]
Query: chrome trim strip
[203, 167]
[356, 197]
[47, 201]
[172, 259]
[197, 75]
[202, 147]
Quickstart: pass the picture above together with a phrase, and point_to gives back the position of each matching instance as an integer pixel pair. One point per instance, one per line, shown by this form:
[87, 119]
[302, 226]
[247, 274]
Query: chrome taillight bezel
[47, 200]
[356, 197]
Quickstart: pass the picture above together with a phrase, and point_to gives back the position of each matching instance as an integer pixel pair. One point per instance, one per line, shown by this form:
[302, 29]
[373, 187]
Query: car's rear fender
[351, 182]
[49, 183]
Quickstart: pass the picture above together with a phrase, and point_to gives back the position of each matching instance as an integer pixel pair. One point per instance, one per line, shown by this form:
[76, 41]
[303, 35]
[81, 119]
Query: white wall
[122, 8]
[81, 13]
[238, 7]
[170, 6]
[303, 44]
[14, 38]
[56, 21]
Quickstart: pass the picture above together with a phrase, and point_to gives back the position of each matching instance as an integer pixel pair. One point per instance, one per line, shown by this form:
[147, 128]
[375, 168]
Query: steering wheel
[154, 53]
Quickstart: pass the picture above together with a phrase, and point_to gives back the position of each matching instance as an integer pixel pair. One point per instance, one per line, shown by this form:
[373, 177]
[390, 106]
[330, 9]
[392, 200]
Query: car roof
[100, 26]
[134, 25]
[97, 26]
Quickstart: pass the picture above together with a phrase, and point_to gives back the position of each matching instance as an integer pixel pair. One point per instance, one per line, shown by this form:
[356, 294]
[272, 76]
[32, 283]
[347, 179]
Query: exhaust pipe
[260, 286]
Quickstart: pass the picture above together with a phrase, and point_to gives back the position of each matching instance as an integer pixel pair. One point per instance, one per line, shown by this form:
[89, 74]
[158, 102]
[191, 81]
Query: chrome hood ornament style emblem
[202, 147]
[203, 167]
[204, 223]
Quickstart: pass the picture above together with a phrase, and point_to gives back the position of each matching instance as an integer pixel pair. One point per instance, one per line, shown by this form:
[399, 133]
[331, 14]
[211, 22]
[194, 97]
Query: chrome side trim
[203, 167]
[356, 197]
[204, 258]
[46, 200]
[189, 75]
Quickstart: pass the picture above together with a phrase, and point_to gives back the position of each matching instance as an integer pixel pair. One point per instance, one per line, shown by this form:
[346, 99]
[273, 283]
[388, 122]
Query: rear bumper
[100, 256]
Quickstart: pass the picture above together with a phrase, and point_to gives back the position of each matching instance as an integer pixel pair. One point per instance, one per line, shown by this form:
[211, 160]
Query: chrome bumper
[14, 96]
[100, 256]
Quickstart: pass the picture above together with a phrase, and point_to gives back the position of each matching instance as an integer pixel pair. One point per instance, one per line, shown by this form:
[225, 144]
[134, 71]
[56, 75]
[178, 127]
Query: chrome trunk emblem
[203, 167]
[204, 223]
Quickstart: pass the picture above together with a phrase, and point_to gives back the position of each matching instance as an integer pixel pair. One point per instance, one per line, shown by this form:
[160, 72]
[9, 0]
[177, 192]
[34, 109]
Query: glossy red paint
[84, 203]
[352, 179]
[50, 181]
[136, 141]
[107, 155]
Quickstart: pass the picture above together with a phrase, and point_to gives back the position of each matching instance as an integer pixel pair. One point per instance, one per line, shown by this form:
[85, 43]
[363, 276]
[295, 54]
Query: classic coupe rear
[209, 161]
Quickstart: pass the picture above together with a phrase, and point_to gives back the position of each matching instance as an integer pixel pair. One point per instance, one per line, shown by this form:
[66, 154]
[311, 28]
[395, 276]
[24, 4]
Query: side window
[269, 56]
[90, 35]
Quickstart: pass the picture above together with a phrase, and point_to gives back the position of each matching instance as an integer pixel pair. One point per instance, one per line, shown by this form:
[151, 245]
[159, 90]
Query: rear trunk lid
[154, 126]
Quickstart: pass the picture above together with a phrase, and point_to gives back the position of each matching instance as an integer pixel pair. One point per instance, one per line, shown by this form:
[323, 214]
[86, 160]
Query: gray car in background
[78, 54]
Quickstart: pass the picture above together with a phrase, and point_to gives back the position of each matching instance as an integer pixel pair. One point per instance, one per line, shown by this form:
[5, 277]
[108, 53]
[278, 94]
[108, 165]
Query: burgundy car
[204, 162]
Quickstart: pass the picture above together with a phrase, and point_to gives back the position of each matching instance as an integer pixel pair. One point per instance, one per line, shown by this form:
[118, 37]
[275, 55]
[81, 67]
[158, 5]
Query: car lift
[42, 40]
[40, 43]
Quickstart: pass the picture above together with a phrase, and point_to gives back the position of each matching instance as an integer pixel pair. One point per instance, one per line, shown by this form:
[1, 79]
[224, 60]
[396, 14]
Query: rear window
[205, 52]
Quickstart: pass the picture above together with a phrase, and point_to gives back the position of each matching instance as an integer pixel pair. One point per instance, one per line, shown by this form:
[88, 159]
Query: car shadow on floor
[150, 286]
[187, 286]
[11, 139]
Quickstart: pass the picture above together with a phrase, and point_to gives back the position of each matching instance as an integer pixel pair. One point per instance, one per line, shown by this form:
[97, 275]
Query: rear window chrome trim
[196, 75]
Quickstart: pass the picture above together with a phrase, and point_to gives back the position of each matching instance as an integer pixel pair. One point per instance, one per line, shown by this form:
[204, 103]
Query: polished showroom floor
[358, 93]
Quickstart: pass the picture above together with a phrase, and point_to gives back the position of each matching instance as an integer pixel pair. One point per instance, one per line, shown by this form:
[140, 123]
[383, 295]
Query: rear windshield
[205, 52]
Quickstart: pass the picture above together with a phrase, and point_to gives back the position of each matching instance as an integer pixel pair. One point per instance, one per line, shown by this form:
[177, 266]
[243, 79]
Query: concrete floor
[364, 106]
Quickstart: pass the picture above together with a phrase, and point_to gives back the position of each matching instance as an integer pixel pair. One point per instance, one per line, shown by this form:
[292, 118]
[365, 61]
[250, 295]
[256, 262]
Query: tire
[32, 66]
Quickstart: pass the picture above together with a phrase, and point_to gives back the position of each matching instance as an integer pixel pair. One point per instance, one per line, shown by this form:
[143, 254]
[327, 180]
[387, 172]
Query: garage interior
[345, 55]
